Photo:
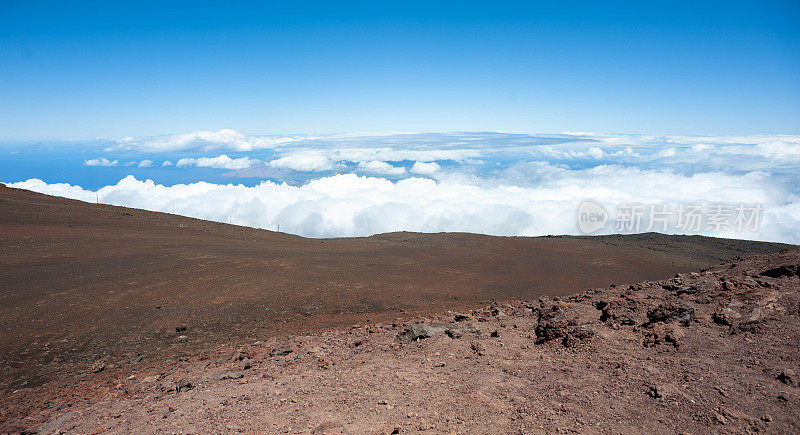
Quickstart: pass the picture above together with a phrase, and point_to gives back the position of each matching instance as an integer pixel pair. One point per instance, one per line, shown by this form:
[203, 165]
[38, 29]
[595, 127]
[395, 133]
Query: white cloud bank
[380, 168]
[425, 168]
[198, 140]
[352, 205]
[306, 162]
[219, 162]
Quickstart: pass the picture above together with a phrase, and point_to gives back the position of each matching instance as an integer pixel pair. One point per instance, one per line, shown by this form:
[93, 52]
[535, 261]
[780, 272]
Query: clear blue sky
[87, 69]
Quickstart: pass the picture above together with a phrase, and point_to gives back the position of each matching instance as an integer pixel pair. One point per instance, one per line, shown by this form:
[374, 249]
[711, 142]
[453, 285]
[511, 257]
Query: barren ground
[105, 310]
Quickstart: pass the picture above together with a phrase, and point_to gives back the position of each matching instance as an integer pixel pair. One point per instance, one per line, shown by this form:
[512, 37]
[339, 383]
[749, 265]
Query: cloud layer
[492, 183]
[220, 162]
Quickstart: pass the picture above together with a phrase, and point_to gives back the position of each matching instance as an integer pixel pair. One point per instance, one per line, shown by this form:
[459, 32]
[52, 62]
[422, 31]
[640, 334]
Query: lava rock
[183, 385]
[671, 313]
[458, 317]
[281, 350]
[788, 377]
[551, 329]
[662, 333]
[578, 335]
[417, 331]
[782, 271]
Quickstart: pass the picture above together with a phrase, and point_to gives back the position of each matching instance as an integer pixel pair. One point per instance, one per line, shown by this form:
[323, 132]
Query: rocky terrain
[117, 320]
[708, 351]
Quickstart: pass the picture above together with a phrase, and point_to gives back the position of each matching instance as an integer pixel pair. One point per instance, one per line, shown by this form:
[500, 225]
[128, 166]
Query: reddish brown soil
[86, 290]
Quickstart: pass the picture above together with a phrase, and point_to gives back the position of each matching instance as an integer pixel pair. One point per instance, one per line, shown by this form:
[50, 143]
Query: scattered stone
[356, 343]
[654, 392]
[55, 424]
[494, 334]
[453, 333]
[478, 348]
[661, 333]
[782, 271]
[578, 335]
[495, 310]
[551, 329]
[330, 428]
[183, 338]
[180, 328]
[788, 377]
[417, 331]
[622, 311]
[228, 374]
[671, 313]
[153, 378]
[458, 317]
[98, 366]
[281, 350]
[725, 316]
[183, 385]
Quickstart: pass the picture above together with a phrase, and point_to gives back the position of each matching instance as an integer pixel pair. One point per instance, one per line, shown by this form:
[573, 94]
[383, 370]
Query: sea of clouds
[497, 183]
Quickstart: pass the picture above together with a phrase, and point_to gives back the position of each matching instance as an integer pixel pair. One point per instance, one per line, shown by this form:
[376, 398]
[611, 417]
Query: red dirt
[88, 288]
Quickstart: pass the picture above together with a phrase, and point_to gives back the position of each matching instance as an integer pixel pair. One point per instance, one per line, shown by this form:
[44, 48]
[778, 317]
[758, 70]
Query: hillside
[85, 285]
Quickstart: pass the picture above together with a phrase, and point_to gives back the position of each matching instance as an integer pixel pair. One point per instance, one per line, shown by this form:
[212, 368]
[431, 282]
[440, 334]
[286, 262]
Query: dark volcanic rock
[662, 333]
[578, 335]
[671, 313]
[417, 331]
[281, 350]
[183, 385]
[458, 317]
[625, 311]
[782, 271]
[552, 329]
[788, 377]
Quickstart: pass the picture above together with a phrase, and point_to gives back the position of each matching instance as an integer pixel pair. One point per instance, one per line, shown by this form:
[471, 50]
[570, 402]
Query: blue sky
[82, 70]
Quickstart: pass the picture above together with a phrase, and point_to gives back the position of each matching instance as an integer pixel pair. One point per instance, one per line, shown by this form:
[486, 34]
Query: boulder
[417, 331]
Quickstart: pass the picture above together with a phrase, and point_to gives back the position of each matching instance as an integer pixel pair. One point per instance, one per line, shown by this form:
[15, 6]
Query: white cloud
[102, 161]
[595, 152]
[303, 161]
[424, 168]
[380, 168]
[131, 163]
[166, 163]
[199, 140]
[510, 204]
[220, 162]
[145, 163]
[399, 154]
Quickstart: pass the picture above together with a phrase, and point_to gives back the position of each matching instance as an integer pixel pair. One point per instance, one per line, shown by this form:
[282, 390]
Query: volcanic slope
[85, 285]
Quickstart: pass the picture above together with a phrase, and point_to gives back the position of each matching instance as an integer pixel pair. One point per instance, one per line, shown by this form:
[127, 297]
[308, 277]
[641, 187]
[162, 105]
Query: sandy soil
[107, 308]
